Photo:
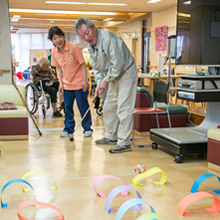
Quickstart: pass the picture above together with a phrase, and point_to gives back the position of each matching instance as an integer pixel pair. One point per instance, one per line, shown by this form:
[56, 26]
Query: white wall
[167, 18]
[133, 45]
[5, 45]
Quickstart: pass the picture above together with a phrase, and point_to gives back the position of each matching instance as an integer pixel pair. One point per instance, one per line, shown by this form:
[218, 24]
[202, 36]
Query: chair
[13, 122]
[213, 148]
[160, 94]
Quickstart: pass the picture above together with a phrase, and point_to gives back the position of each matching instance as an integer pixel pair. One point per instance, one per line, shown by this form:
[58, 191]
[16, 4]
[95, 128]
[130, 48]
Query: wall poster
[36, 55]
[161, 35]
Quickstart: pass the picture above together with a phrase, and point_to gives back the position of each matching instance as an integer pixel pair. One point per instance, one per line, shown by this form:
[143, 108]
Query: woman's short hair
[55, 30]
[81, 21]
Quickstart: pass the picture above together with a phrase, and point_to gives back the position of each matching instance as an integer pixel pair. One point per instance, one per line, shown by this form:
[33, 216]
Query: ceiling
[39, 21]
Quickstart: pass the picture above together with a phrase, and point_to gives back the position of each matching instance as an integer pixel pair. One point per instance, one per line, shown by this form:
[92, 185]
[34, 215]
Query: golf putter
[71, 135]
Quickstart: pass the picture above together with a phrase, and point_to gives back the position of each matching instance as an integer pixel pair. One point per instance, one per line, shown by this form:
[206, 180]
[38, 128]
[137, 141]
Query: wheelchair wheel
[48, 102]
[31, 97]
[44, 111]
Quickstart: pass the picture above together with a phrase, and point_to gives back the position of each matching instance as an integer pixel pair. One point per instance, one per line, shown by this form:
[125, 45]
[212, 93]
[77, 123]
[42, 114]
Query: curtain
[23, 43]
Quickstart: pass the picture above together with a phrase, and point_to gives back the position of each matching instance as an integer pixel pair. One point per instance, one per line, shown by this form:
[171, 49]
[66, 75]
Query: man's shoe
[57, 114]
[106, 141]
[88, 133]
[64, 134]
[120, 149]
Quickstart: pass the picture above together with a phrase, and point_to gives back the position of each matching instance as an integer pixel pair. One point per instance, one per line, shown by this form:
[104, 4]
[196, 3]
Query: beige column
[5, 45]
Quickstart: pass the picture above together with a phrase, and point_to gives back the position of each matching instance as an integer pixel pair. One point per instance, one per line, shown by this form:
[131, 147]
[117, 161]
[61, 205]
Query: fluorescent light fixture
[61, 12]
[48, 19]
[83, 3]
[184, 15]
[15, 18]
[107, 19]
[153, 1]
[68, 3]
[187, 3]
[113, 4]
[57, 15]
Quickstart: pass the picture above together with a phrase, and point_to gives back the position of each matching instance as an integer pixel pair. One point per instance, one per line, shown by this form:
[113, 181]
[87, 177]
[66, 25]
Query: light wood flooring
[75, 166]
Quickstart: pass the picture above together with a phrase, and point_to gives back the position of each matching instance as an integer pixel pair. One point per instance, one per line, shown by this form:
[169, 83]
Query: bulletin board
[36, 55]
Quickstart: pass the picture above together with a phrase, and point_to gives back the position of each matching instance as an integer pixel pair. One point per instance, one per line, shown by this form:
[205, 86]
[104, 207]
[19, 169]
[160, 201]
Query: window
[23, 43]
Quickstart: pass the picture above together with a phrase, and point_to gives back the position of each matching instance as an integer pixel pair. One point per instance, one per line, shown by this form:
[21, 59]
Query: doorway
[146, 42]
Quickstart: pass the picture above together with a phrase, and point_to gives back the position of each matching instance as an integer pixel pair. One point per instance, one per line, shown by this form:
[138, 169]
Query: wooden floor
[75, 166]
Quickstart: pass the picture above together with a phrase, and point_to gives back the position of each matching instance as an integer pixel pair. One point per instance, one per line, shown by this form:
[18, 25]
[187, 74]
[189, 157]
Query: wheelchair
[36, 96]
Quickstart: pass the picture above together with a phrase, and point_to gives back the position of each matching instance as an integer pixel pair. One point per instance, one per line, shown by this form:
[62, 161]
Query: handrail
[4, 70]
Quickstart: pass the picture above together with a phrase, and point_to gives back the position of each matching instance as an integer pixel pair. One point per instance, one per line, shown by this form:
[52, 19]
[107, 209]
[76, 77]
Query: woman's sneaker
[88, 133]
[64, 134]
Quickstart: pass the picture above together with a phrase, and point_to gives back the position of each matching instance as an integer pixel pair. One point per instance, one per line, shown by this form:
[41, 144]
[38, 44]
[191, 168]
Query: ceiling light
[153, 1]
[61, 15]
[114, 4]
[83, 3]
[15, 18]
[187, 3]
[48, 19]
[61, 12]
[73, 3]
[184, 15]
[107, 19]
[65, 25]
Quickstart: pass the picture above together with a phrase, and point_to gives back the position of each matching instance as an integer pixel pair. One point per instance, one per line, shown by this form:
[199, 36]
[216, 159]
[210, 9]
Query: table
[184, 72]
[153, 79]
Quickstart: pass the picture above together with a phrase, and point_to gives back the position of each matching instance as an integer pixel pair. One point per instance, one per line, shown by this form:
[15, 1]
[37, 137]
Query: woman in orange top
[72, 73]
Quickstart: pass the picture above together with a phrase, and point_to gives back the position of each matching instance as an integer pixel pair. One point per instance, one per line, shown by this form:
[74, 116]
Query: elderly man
[114, 67]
